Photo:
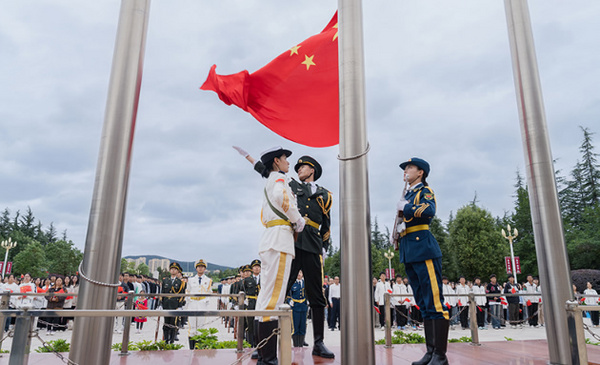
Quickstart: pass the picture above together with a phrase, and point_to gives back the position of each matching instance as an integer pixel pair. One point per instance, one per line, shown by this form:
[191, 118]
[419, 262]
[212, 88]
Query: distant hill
[187, 266]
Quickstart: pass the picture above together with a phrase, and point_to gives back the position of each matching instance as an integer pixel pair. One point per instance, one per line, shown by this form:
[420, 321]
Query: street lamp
[511, 235]
[388, 255]
[7, 244]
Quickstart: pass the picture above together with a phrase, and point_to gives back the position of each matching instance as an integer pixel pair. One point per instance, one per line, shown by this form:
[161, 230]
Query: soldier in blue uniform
[297, 300]
[422, 258]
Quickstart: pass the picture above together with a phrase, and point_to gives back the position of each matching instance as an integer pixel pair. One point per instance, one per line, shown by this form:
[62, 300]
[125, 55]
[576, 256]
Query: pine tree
[589, 170]
[524, 244]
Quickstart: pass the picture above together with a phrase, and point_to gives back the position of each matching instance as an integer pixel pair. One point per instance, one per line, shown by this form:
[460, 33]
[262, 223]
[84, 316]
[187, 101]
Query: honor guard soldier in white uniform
[314, 204]
[421, 255]
[198, 284]
[281, 219]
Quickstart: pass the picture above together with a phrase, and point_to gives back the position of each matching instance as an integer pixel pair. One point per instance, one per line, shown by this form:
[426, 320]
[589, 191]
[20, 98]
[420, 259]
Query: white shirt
[398, 289]
[26, 300]
[334, 292]
[280, 237]
[530, 289]
[593, 300]
[463, 300]
[411, 299]
[380, 289]
[447, 289]
[479, 289]
[12, 288]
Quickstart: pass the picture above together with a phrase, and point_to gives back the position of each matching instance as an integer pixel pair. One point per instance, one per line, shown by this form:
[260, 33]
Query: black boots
[318, 321]
[296, 341]
[429, 342]
[441, 327]
[192, 344]
[436, 340]
[268, 353]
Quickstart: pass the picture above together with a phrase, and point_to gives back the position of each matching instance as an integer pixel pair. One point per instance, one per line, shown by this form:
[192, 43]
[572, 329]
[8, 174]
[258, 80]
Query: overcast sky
[439, 86]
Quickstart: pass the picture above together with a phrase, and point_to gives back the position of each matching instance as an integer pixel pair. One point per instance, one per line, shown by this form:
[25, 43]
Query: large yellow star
[308, 61]
[294, 50]
[336, 33]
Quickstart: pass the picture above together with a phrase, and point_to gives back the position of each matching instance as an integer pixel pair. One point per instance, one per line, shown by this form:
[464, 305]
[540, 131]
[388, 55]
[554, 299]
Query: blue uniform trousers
[299, 321]
[426, 281]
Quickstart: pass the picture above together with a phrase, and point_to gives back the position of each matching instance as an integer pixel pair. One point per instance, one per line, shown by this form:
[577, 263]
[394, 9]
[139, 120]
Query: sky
[439, 85]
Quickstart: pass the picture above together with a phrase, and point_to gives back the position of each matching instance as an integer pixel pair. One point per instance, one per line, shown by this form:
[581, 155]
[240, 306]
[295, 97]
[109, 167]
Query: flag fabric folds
[295, 95]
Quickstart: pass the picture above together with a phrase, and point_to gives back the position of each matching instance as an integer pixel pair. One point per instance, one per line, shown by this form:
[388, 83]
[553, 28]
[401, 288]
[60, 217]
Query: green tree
[332, 264]
[63, 258]
[31, 260]
[475, 237]
[524, 244]
[590, 171]
[123, 265]
[449, 259]
[142, 269]
[583, 244]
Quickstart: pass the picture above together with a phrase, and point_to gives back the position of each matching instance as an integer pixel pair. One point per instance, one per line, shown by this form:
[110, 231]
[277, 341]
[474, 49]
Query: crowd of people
[509, 303]
[65, 285]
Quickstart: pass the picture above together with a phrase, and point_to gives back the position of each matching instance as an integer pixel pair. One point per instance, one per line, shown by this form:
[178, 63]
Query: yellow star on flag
[308, 61]
[294, 50]
[336, 33]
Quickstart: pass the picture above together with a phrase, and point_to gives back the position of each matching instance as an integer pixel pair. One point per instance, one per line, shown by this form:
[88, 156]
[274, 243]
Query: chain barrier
[259, 346]
[66, 360]
[48, 324]
[594, 335]
[8, 334]
[514, 323]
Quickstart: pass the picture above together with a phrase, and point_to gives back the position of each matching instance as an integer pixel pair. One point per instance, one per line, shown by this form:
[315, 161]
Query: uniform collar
[416, 187]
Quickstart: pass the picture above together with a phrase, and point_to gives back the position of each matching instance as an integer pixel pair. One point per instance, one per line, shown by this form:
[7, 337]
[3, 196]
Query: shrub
[207, 339]
[55, 346]
[462, 339]
[400, 337]
[581, 277]
[148, 346]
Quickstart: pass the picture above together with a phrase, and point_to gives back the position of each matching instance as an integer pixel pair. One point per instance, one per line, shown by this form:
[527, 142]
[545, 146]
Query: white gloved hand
[401, 227]
[401, 203]
[291, 303]
[241, 151]
[300, 225]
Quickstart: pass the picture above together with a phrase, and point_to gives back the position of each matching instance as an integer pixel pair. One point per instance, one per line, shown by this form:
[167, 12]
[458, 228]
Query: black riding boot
[441, 342]
[428, 324]
[192, 344]
[255, 354]
[268, 353]
[318, 321]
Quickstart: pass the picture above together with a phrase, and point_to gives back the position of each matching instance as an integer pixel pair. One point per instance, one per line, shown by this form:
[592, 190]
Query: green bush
[400, 337]
[55, 346]
[462, 339]
[590, 342]
[148, 346]
[207, 339]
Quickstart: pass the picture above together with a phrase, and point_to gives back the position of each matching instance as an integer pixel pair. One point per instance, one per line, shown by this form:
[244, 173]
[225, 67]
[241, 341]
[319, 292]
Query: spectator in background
[513, 301]
[480, 301]
[463, 302]
[55, 302]
[531, 301]
[75, 290]
[494, 302]
[449, 301]
[399, 303]
[594, 315]
[334, 299]
[381, 288]
[140, 304]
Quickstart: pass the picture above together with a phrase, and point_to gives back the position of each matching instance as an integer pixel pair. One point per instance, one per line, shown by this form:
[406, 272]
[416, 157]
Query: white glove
[401, 204]
[401, 227]
[291, 303]
[300, 225]
[241, 151]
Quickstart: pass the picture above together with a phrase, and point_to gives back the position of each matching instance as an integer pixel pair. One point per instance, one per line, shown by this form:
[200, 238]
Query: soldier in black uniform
[252, 287]
[314, 204]
[172, 285]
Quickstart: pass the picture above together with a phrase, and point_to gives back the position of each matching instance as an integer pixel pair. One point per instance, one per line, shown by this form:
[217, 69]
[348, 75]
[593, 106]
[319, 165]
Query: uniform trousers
[311, 265]
[299, 320]
[197, 322]
[426, 281]
[275, 272]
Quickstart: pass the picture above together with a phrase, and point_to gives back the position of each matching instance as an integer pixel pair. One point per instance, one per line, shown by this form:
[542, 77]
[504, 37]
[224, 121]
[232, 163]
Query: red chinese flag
[376, 309]
[513, 290]
[528, 302]
[416, 306]
[295, 95]
[390, 291]
[25, 289]
[459, 303]
[448, 306]
[478, 307]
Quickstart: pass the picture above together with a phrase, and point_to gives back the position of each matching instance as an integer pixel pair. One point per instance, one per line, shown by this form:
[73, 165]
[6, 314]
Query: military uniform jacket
[251, 288]
[314, 207]
[199, 285]
[298, 297]
[171, 286]
[418, 244]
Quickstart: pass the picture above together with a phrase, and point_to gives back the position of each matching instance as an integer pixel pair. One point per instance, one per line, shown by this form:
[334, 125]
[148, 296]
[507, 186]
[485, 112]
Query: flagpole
[550, 245]
[92, 337]
[355, 223]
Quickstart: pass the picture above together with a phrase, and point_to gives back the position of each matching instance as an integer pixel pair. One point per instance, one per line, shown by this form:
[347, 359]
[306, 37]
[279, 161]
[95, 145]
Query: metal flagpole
[92, 337]
[358, 343]
[545, 211]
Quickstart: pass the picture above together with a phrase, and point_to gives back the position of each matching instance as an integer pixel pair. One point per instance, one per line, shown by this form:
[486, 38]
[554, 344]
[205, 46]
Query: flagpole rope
[356, 156]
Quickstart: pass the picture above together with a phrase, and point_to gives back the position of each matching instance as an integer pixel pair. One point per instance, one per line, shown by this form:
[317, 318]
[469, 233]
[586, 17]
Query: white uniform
[276, 248]
[380, 289]
[198, 285]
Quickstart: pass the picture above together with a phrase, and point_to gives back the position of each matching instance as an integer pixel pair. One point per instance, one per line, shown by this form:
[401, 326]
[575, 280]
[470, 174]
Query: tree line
[473, 246]
[40, 250]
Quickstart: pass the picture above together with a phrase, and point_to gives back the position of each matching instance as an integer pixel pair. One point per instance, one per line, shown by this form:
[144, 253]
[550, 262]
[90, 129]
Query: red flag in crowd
[448, 306]
[459, 303]
[416, 306]
[513, 290]
[295, 95]
[376, 309]
[528, 302]
[478, 307]
[503, 301]
[25, 289]
[390, 291]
